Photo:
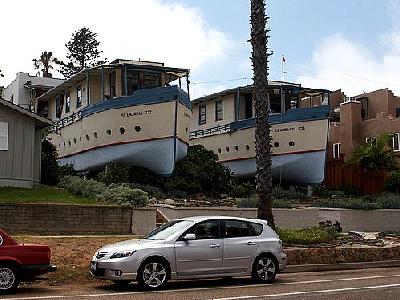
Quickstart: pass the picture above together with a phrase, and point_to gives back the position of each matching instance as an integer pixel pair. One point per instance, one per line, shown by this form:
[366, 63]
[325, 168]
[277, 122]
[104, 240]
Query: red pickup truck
[21, 262]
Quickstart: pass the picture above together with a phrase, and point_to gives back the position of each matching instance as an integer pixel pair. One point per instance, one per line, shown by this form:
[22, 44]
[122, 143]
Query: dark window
[237, 148]
[202, 114]
[276, 144]
[108, 131]
[113, 91]
[291, 143]
[78, 97]
[397, 112]
[219, 150]
[248, 98]
[122, 130]
[235, 228]
[206, 230]
[95, 134]
[247, 147]
[138, 128]
[219, 114]
[227, 149]
[74, 140]
[87, 137]
[67, 103]
[364, 109]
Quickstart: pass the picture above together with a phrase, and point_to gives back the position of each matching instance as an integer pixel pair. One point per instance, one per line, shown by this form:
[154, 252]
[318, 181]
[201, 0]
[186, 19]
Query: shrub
[144, 176]
[66, 170]
[282, 203]
[177, 194]
[124, 195]
[114, 173]
[320, 190]
[307, 236]
[279, 192]
[392, 183]
[244, 189]
[49, 166]
[92, 188]
[249, 202]
[152, 191]
[352, 203]
[388, 201]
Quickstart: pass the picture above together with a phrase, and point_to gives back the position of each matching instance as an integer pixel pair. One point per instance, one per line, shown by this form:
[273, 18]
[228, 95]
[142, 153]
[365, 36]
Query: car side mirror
[189, 237]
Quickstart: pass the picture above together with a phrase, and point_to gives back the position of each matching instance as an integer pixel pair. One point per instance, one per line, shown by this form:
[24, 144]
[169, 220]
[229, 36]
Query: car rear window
[237, 228]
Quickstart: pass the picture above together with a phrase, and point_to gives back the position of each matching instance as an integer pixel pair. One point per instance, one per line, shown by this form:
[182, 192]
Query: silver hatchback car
[195, 247]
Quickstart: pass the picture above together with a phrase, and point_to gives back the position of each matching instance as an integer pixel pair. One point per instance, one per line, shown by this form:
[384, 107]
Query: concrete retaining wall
[359, 220]
[75, 219]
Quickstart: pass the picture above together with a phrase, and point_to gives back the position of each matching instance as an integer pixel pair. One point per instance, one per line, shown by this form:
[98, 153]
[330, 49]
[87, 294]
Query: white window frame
[3, 136]
[370, 139]
[334, 150]
[398, 141]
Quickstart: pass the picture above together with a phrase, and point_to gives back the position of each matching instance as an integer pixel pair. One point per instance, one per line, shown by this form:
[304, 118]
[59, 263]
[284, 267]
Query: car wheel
[123, 284]
[9, 279]
[153, 274]
[265, 268]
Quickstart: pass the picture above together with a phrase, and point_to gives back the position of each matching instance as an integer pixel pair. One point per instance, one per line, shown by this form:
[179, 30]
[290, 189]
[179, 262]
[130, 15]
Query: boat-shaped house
[225, 123]
[133, 112]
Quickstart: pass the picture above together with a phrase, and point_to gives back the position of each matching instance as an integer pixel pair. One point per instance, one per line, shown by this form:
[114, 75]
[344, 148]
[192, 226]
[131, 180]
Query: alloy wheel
[7, 279]
[154, 274]
[265, 269]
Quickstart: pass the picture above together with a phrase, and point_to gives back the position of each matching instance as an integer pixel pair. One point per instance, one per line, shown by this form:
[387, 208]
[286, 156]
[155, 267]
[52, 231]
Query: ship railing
[66, 121]
[210, 131]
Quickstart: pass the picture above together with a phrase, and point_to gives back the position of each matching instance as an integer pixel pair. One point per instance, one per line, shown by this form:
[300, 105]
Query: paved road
[353, 284]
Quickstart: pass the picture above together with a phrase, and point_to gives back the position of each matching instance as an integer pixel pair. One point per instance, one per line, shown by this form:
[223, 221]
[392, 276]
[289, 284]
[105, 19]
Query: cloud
[151, 30]
[339, 62]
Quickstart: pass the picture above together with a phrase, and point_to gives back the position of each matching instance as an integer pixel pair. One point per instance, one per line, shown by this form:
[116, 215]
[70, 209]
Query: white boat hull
[301, 168]
[156, 155]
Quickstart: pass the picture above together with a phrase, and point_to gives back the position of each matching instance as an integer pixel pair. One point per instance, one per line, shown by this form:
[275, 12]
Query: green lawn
[41, 194]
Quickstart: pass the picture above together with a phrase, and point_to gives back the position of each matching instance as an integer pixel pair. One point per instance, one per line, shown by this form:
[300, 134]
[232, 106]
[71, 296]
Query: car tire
[265, 268]
[9, 279]
[153, 274]
[122, 284]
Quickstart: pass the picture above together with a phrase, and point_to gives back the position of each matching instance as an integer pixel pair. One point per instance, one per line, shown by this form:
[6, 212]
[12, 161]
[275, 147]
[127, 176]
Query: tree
[83, 52]
[44, 63]
[259, 58]
[377, 154]
[1, 87]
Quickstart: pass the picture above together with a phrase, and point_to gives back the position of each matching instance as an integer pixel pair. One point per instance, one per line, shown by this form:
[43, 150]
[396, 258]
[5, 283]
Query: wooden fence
[338, 174]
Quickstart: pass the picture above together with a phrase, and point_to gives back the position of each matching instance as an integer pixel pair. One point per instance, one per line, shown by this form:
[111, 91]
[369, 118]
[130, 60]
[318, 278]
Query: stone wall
[75, 219]
[350, 219]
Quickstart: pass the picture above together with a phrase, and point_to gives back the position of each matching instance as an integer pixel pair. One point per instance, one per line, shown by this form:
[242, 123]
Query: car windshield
[166, 230]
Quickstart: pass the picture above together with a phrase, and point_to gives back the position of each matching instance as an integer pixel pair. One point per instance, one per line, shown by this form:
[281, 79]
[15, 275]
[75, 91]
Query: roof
[140, 65]
[202, 218]
[248, 88]
[22, 110]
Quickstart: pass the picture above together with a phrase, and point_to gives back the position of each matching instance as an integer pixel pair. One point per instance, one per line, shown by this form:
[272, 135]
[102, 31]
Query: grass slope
[41, 194]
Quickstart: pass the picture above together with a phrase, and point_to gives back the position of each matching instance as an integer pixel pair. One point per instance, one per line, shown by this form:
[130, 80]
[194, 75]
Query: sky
[353, 45]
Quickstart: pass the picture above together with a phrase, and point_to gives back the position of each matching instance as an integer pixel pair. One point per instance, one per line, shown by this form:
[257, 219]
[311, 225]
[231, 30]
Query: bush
[282, 203]
[49, 166]
[388, 201]
[392, 183]
[307, 236]
[124, 195]
[251, 202]
[279, 192]
[114, 173]
[152, 191]
[245, 189]
[321, 191]
[352, 203]
[200, 172]
[144, 176]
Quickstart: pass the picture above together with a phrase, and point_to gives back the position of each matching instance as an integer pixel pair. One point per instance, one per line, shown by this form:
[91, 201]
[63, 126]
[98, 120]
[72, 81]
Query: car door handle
[215, 245]
[251, 244]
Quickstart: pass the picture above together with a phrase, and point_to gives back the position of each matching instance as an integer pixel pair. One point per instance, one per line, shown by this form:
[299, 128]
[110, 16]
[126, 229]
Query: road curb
[341, 266]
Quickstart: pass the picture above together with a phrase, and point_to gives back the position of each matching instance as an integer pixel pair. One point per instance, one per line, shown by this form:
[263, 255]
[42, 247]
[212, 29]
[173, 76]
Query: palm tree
[44, 63]
[1, 87]
[259, 58]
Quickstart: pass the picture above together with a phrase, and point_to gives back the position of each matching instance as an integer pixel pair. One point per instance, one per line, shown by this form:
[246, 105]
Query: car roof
[204, 218]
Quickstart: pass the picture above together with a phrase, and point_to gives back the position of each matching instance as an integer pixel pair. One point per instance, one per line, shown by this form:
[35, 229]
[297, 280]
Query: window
[235, 228]
[237, 148]
[202, 114]
[227, 149]
[78, 97]
[95, 134]
[122, 130]
[395, 142]
[247, 147]
[219, 114]
[108, 131]
[206, 230]
[138, 128]
[276, 144]
[87, 137]
[3, 136]
[336, 150]
[67, 103]
[113, 90]
[371, 140]
[291, 144]
[397, 112]
[219, 150]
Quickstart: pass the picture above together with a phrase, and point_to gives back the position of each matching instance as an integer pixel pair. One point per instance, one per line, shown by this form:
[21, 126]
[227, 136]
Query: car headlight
[122, 254]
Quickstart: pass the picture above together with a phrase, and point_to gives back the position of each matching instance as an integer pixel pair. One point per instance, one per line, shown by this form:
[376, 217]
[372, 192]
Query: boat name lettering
[136, 113]
[284, 129]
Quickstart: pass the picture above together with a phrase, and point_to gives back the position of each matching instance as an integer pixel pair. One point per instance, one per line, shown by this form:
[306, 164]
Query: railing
[210, 131]
[66, 121]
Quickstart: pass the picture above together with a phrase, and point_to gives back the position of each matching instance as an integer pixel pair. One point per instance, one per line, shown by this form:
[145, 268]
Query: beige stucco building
[20, 145]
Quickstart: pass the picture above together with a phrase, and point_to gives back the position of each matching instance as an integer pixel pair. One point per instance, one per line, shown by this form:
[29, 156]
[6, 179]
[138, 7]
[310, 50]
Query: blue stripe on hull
[156, 155]
[303, 168]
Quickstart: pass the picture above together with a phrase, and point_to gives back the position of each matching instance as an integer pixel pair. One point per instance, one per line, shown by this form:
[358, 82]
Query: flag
[283, 59]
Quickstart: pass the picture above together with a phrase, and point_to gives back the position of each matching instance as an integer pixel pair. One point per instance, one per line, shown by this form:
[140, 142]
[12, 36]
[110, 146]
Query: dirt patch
[72, 255]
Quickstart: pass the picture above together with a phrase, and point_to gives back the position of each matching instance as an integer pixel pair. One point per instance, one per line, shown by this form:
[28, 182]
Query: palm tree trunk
[259, 39]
